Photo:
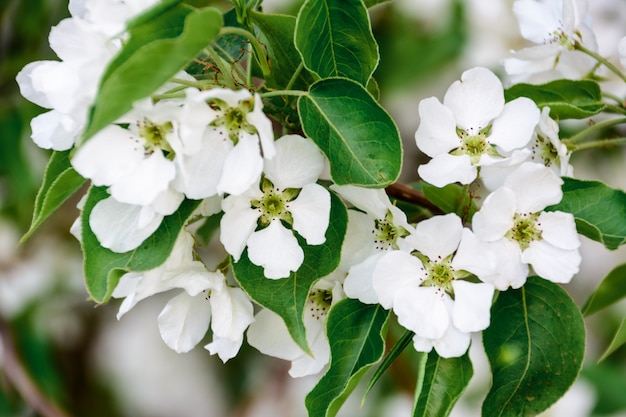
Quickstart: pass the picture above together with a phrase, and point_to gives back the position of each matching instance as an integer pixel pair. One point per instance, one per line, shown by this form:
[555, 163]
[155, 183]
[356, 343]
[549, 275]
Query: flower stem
[256, 45]
[571, 142]
[294, 77]
[602, 143]
[297, 93]
[578, 46]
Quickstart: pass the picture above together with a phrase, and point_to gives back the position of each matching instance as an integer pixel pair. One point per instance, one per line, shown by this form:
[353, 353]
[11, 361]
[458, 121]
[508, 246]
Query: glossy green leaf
[611, 290]
[357, 135]
[356, 342]
[567, 99]
[619, 339]
[60, 182]
[453, 198]
[444, 381]
[276, 32]
[600, 210]
[393, 354]
[535, 346]
[335, 39]
[287, 296]
[103, 268]
[160, 48]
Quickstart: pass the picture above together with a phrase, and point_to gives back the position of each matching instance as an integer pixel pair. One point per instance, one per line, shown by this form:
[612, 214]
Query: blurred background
[61, 355]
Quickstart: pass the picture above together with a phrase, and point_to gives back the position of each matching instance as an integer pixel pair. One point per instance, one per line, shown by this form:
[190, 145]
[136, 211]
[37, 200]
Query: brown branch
[19, 378]
[403, 192]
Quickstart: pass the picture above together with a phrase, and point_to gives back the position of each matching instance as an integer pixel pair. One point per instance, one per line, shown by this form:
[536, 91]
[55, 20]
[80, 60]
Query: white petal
[184, 321]
[495, 217]
[509, 271]
[143, 185]
[54, 130]
[358, 243]
[535, 187]
[116, 225]
[559, 229]
[472, 305]
[453, 343]
[436, 133]
[537, 20]
[232, 312]
[438, 236]
[422, 310]
[373, 201]
[359, 282]
[446, 169]
[269, 335]
[311, 213]
[276, 249]
[475, 256]
[476, 99]
[514, 128]
[224, 348]
[28, 86]
[111, 154]
[237, 224]
[263, 125]
[242, 166]
[297, 162]
[552, 263]
[395, 272]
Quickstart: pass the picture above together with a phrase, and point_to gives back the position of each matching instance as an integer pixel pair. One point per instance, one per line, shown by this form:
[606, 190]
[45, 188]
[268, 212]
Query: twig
[411, 195]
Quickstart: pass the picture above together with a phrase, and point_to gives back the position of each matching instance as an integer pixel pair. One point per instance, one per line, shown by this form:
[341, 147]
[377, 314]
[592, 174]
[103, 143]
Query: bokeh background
[61, 355]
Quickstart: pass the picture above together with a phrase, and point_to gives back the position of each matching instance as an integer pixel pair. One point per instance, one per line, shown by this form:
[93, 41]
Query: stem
[615, 109]
[600, 59]
[20, 379]
[602, 143]
[297, 93]
[411, 195]
[613, 97]
[295, 75]
[221, 64]
[258, 48]
[578, 137]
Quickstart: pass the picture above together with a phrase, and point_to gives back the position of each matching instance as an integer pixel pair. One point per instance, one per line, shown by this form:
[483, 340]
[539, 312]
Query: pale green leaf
[619, 339]
[611, 290]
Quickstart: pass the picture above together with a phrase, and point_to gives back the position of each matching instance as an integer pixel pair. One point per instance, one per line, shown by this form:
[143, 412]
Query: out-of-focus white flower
[418, 286]
[288, 194]
[472, 128]
[555, 26]
[517, 233]
[270, 335]
[379, 227]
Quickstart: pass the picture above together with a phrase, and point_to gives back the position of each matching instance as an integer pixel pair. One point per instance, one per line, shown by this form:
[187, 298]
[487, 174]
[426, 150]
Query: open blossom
[427, 291]
[518, 233]
[270, 335]
[555, 26]
[287, 201]
[207, 299]
[472, 128]
[378, 227]
[85, 43]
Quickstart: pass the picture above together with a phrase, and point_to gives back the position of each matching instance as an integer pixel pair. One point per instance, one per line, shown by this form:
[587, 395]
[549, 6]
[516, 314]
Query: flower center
[386, 233]
[155, 136]
[274, 204]
[233, 119]
[439, 273]
[525, 229]
[319, 303]
[545, 150]
[474, 143]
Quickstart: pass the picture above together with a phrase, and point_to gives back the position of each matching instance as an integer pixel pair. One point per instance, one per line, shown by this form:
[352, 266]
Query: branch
[403, 192]
[19, 378]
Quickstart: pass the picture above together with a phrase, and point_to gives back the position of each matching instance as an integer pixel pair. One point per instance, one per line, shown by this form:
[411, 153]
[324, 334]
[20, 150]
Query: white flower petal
[143, 185]
[438, 236]
[184, 321]
[538, 20]
[395, 272]
[453, 343]
[116, 225]
[232, 312]
[54, 130]
[359, 281]
[535, 187]
[509, 271]
[472, 305]
[297, 162]
[242, 166]
[311, 213]
[476, 99]
[237, 224]
[514, 128]
[276, 249]
[436, 133]
[263, 125]
[373, 201]
[552, 263]
[495, 217]
[269, 335]
[474, 255]
[446, 169]
[559, 229]
[422, 310]
[224, 348]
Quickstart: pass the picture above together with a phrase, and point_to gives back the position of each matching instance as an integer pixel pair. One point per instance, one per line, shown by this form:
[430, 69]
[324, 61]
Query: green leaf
[535, 345]
[103, 268]
[567, 99]
[619, 339]
[156, 51]
[356, 342]
[393, 354]
[372, 3]
[287, 296]
[452, 198]
[357, 135]
[444, 382]
[276, 32]
[60, 182]
[600, 210]
[611, 290]
[335, 39]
